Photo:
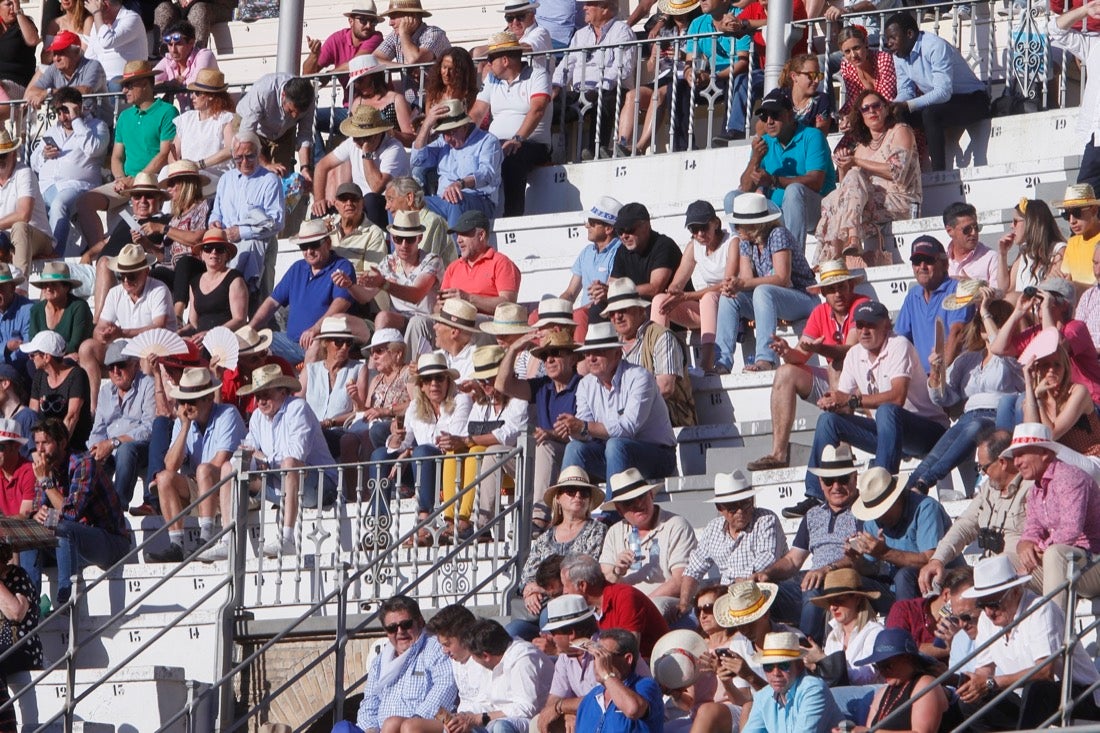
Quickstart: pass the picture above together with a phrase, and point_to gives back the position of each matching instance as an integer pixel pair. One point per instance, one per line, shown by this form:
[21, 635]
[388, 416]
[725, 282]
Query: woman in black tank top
[904, 668]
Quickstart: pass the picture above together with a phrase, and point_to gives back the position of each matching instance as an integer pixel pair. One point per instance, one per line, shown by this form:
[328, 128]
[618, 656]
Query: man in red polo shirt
[827, 334]
[16, 472]
[618, 605]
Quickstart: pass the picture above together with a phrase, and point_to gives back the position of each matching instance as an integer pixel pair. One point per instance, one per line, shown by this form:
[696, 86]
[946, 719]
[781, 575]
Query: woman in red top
[863, 68]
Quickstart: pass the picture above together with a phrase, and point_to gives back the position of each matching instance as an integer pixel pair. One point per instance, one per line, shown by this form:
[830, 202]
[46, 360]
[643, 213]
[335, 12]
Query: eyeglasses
[983, 469]
[830, 480]
[364, 19]
[1074, 213]
[403, 625]
[513, 17]
[189, 402]
[735, 506]
[781, 666]
[247, 156]
[871, 107]
[214, 249]
[811, 75]
[922, 260]
[315, 244]
[341, 343]
[971, 229]
[178, 39]
[397, 239]
[129, 276]
[705, 608]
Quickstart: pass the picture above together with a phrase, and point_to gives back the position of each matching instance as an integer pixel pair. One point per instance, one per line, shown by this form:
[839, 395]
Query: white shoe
[275, 547]
[217, 553]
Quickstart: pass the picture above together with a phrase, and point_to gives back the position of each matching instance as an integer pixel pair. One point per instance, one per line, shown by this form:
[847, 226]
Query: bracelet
[202, 163]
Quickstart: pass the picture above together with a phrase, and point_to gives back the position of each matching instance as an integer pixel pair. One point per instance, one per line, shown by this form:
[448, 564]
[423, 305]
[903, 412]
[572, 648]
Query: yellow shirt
[1077, 261]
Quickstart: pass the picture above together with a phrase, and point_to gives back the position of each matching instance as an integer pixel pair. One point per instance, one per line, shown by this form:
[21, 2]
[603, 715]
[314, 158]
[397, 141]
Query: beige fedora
[184, 169]
[210, 81]
[145, 183]
[139, 69]
[456, 116]
[406, 224]
[964, 294]
[486, 361]
[731, 487]
[509, 319]
[7, 277]
[878, 490]
[836, 460]
[627, 485]
[54, 271]
[196, 382]
[434, 362]
[410, 7]
[458, 313]
[555, 310]
[574, 476]
[622, 293]
[270, 376]
[252, 341]
[842, 582]
[312, 230]
[131, 258]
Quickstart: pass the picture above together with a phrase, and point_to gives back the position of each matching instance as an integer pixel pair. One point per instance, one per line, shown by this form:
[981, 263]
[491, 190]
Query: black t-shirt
[662, 252]
[120, 235]
[17, 60]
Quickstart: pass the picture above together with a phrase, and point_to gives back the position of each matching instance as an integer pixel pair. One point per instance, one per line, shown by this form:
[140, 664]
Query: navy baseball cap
[927, 246]
[871, 312]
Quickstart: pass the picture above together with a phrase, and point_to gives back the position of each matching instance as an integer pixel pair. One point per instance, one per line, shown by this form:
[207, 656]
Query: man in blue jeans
[74, 495]
[621, 422]
[790, 164]
[880, 405]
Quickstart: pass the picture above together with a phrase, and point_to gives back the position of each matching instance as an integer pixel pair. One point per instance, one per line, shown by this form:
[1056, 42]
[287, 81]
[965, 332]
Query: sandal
[760, 366]
[767, 463]
[422, 538]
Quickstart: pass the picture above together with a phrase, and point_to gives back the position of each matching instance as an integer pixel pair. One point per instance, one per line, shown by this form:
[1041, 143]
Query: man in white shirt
[519, 678]
[621, 420]
[70, 160]
[1000, 594]
[117, 36]
[882, 375]
[23, 219]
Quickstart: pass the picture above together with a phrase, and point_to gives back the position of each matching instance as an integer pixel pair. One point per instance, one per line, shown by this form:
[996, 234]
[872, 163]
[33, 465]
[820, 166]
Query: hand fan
[222, 345]
[155, 341]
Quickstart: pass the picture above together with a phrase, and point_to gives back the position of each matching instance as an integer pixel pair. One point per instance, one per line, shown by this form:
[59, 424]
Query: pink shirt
[1063, 508]
[872, 375]
[200, 58]
[980, 264]
[340, 47]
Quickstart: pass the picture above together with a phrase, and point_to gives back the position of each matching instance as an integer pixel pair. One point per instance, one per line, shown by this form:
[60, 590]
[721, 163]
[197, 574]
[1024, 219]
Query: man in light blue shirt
[592, 269]
[249, 206]
[621, 422]
[15, 317]
[468, 160]
[793, 700]
[936, 87]
[123, 420]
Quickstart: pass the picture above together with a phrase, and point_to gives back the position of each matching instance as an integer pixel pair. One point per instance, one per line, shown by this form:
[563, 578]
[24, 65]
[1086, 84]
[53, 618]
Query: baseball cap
[469, 221]
[631, 215]
[114, 352]
[927, 246]
[775, 101]
[63, 40]
[1058, 286]
[606, 209]
[700, 212]
[871, 311]
[349, 189]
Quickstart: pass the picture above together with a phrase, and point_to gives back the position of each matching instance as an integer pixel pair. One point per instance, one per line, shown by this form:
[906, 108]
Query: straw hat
[7, 277]
[627, 485]
[145, 183]
[458, 313]
[509, 319]
[196, 382]
[842, 582]
[964, 294]
[406, 224]
[456, 116]
[878, 491]
[1031, 435]
[730, 487]
[252, 341]
[554, 340]
[600, 336]
[216, 236]
[7, 142]
[836, 460]
[366, 7]
[184, 169]
[994, 575]
[502, 43]
[211, 81]
[555, 310]
[744, 603]
[132, 258]
[139, 69]
[574, 476]
[566, 610]
[833, 272]
[10, 432]
[312, 231]
[486, 361]
[1076, 195]
[54, 271]
[434, 362]
[270, 376]
[780, 646]
[675, 658]
[672, 7]
[622, 293]
[335, 327]
[364, 121]
[411, 7]
[753, 208]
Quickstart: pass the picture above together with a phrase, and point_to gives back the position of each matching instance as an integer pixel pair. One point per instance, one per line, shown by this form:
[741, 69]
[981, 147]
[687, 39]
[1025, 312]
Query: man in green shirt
[143, 137]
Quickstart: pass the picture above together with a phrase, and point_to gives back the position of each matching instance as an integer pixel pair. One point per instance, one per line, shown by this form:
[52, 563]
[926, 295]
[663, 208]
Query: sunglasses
[1074, 213]
[433, 378]
[991, 604]
[364, 19]
[735, 506]
[246, 156]
[144, 196]
[340, 343]
[705, 608]
[871, 107]
[129, 276]
[984, 468]
[513, 17]
[177, 39]
[781, 666]
[555, 354]
[315, 244]
[117, 366]
[128, 84]
[766, 116]
[811, 75]
[575, 491]
[637, 501]
[397, 239]
[830, 480]
[188, 402]
[379, 350]
[971, 229]
[697, 228]
[403, 625]
[922, 260]
[627, 232]
[966, 618]
[596, 223]
[214, 248]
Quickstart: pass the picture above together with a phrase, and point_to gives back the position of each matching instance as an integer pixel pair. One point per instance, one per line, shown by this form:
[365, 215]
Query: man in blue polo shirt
[791, 164]
[723, 56]
[308, 293]
[592, 268]
[924, 304]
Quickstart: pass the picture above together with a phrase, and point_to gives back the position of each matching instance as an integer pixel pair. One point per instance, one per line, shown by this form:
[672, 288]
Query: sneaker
[174, 553]
[217, 553]
[799, 510]
[275, 547]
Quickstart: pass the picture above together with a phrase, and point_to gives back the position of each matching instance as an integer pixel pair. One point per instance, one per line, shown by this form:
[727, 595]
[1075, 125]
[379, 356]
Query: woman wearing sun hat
[190, 210]
[204, 133]
[853, 632]
[218, 296]
[59, 309]
[387, 394]
[907, 673]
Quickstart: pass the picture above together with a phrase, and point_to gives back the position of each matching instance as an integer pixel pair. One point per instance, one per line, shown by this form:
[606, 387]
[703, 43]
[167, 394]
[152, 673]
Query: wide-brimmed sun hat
[54, 271]
[743, 603]
[335, 327]
[7, 142]
[555, 310]
[503, 43]
[779, 647]
[210, 81]
[600, 336]
[434, 362]
[458, 313]
[1077, 195]
[406, 224]
[145, 183]
[215, 236]
[842, 582]
[411, 7]
[509, 319]
[893, 642]
[675, 658]
[836, 460]
[677, 7]
[312, 230]
[518, 6]
[139, 69]
[622, 293]
[252, 341]
[566, 610]
[363, 7]
[364, 121]
[994, 575]
[270, 376]
[1031, 435]
[963, 297]
[833, 272]
[753, 208]
[627, 485]
[196, 382]
[878, 491]
[131, 258]
[455, 117]
[362, 65]
[731, 487]
[486, 361]
[574, 476]
[555, 340]
[183, 169]
[7, 277]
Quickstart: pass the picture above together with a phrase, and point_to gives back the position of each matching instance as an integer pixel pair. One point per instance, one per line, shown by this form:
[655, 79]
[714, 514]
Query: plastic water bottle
[634, 542]
[846, 726]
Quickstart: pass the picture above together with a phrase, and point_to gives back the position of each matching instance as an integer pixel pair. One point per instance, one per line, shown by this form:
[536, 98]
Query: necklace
[876, 142]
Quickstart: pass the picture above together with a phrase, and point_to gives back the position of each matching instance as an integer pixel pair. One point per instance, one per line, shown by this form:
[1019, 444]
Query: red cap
[64, 40]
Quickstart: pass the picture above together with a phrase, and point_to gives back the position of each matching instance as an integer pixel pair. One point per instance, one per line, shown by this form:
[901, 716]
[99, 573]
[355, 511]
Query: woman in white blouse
[436, 416]
[205, 132]
[495, 424]
[854, 625]
[325, 387]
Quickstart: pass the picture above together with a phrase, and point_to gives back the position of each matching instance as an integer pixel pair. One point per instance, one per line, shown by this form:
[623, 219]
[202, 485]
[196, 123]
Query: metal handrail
[1070, 585]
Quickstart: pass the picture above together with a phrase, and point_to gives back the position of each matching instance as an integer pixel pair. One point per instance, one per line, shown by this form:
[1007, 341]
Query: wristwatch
[855, 402]
[485, 719]
[990, 685]
[585, 435]
[116, 442]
